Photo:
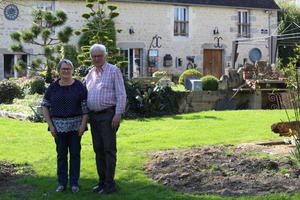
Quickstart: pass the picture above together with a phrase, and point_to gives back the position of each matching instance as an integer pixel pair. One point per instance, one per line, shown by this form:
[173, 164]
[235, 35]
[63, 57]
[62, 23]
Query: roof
[261, 4]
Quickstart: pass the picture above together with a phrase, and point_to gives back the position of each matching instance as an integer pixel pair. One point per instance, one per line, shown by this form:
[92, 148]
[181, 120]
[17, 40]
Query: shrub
[175, 78]
[189, 73]
[82, 71]
[33, 86]
[154, 101]
[160, 74]
[164, 82]
[209, 83]
[8, 91]
[70, 52]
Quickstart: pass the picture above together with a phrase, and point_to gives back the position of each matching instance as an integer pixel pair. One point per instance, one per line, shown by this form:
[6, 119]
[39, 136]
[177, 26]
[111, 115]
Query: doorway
[212, 62]
[9, 61]
[134, 56]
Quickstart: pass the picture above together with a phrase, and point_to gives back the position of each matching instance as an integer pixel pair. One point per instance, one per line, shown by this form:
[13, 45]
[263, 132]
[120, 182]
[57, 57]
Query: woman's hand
[53, 131]
[81, 130]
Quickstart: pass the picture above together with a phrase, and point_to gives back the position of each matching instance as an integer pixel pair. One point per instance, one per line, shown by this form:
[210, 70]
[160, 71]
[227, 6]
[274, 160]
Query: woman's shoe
[75, 189]
[60, 188]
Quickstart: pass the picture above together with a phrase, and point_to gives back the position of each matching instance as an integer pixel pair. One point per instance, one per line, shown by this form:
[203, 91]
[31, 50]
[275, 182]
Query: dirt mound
[9, 173]
[225, 171]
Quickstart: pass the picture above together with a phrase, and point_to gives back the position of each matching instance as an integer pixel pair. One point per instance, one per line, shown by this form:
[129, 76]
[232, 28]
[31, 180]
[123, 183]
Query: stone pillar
[28, 64]
[15, 62]
[1, 67]
[257, 103]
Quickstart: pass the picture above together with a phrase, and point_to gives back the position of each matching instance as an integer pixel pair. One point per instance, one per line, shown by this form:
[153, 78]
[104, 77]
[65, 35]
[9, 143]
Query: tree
[289, 20]
[99, 28]
[42, 34]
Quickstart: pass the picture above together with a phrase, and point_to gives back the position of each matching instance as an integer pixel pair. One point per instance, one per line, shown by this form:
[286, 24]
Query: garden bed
[10, 173]
[247, 169]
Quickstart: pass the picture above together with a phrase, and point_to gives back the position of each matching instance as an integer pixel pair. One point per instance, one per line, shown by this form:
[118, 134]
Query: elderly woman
[65, 110]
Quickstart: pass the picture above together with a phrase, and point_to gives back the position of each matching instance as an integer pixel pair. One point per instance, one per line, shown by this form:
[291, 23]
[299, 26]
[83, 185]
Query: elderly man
[106, 102]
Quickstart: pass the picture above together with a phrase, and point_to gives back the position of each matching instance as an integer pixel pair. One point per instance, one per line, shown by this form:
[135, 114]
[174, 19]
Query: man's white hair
[98, 47]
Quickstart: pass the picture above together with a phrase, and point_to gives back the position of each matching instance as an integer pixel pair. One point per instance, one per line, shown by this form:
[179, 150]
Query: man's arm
[121, 98]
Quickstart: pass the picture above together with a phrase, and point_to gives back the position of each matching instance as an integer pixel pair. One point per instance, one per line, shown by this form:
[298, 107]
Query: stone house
[165, 35]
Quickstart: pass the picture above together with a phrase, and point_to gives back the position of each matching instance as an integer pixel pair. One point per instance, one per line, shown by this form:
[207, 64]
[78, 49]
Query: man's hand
[81, 130]
[53, 131]
[116, 121]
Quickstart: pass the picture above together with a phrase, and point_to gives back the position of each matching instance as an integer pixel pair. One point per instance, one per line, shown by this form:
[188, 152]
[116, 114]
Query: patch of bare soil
[9, 173]
[247, 169]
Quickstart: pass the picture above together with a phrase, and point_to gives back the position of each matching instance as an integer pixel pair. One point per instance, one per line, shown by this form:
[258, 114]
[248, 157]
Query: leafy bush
[82, 71]
[34, 86]
[164, 82]
[8, 91]
[175, 78]
[209, 83]
[70, 52]
[189, 73]
[154, 101]
[160, 74]
[80, 78]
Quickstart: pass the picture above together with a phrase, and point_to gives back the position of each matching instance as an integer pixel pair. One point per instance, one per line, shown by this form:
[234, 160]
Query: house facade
[165, 35]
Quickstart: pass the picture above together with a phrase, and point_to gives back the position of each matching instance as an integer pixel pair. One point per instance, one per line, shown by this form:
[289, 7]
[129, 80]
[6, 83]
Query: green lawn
[24, 142]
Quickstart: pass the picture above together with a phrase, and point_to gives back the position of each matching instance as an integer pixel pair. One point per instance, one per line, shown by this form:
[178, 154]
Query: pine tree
[99, 28]
[42, 34]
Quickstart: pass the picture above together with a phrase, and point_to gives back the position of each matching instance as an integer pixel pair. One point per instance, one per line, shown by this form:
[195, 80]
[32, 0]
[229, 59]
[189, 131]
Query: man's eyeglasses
[98, 56]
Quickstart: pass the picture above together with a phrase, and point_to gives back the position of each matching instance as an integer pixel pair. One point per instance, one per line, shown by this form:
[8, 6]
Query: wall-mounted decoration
[218, 42]
[11, 12]
[216, 31]
[264, 31]
[178, 62]
[255, 54]
[153, 58]
[131, 30]
[168, 60]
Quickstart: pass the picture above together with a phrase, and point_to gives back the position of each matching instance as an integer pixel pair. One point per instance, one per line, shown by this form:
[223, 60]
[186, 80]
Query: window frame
[181, 21]
[244, 24]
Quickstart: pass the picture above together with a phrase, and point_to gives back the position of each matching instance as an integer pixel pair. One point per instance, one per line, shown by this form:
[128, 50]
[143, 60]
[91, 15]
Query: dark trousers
[64, 143]
[104, 143]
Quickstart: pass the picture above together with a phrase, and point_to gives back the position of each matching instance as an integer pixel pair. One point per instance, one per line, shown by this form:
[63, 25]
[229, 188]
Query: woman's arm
[83, 124]
[49, 121]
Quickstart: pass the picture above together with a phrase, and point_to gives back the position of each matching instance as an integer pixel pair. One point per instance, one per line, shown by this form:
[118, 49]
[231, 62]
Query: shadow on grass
[131, 186]
[178, 117]
[128, 189]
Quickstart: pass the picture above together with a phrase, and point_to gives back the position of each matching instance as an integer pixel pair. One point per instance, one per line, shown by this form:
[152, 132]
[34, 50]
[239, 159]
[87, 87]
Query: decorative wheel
[11, 12]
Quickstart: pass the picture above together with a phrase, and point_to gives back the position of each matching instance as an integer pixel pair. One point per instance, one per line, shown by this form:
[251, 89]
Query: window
[181, 22]
[244, 24]
[46, 5]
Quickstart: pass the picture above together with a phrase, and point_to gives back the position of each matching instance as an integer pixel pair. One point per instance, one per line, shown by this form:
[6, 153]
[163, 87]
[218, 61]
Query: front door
[212, 62]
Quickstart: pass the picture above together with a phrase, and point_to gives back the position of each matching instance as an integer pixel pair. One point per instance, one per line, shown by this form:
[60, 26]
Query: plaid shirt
[106, 89]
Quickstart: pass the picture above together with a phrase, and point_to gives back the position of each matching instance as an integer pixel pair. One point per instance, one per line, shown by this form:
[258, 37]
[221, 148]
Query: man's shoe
[75, 189]
[60, 188]
[97, 188]
[108, 190]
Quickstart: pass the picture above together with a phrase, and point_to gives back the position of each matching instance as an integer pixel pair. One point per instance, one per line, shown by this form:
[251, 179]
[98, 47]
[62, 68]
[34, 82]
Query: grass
[24, 142]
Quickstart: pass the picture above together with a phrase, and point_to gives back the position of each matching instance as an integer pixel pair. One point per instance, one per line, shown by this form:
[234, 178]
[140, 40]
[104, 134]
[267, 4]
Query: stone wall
[220, 100]
[149, 19]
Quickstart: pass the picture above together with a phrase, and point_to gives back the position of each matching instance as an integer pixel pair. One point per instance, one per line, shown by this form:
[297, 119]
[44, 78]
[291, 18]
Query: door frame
[221, 60]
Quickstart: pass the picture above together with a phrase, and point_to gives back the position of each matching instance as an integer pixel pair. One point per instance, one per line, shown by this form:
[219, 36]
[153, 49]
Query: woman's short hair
[62, 62]
[99, 47]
